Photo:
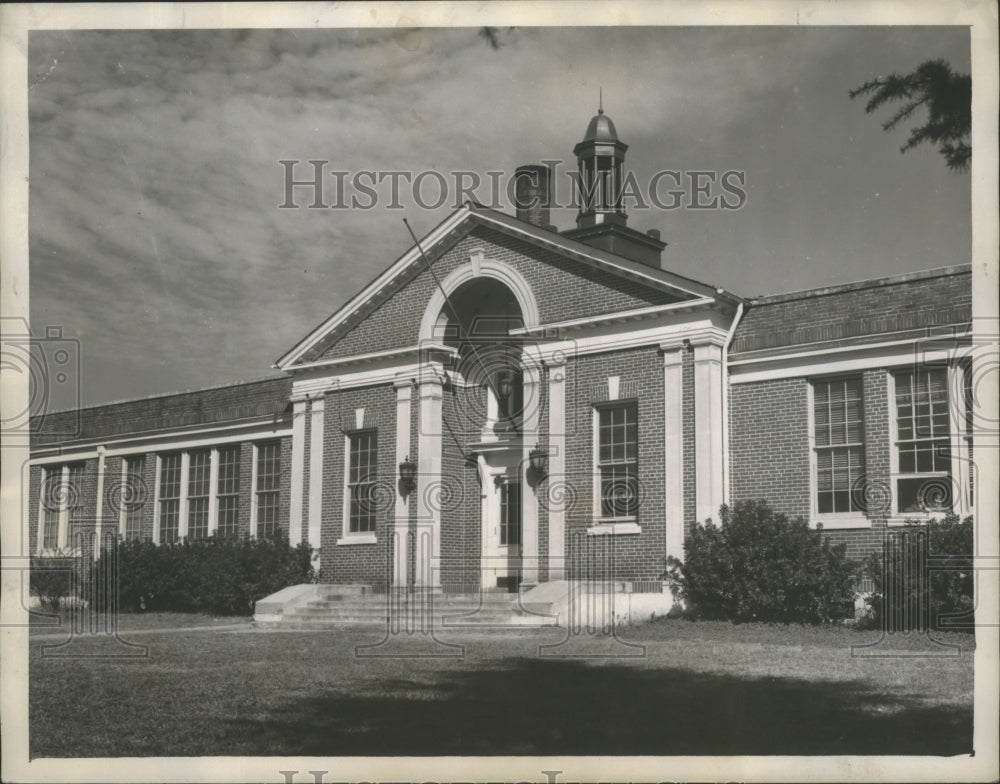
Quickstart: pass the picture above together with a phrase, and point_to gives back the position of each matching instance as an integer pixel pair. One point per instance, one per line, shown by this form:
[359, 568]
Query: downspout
[725, 403]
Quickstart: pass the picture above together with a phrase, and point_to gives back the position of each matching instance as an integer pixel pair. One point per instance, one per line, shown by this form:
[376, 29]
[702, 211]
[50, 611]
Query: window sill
[614, 527]
[901, 519]
[357, 539]
[840, 523]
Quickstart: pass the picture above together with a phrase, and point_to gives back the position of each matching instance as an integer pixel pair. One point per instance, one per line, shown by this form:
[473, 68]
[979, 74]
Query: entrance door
[508, 533]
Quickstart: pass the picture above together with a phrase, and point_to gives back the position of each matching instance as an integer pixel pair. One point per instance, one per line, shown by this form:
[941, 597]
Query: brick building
[508, 404]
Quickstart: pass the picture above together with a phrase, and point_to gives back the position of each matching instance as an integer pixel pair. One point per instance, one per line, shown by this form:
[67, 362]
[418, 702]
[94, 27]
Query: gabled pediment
[660, 287]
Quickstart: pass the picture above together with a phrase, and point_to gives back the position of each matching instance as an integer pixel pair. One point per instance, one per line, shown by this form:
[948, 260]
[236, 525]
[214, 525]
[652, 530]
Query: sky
[155, 234]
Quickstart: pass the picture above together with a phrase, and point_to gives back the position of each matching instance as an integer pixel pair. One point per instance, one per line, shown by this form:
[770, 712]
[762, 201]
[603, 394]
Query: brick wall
[564, 290]
[769, 444]
[357, 563]
[636, 556]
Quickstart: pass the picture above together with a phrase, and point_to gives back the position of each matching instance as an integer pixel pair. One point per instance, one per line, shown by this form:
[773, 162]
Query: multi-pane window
[361, 477]
[74, 503]
[617, 460]
[133, 497]
[838, 417]
[510, 513]
[268, 487]
[52, 501]
[170, 497]
[228, 491]
[923, 441]
[199, 487]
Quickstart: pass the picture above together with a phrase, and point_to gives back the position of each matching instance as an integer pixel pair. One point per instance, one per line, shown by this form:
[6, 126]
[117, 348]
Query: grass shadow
[528, 706]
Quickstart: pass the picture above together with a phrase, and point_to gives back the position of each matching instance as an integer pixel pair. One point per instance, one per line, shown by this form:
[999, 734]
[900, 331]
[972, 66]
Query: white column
[213, 491]
[122, 512]
[182, 521]
[64, 491]
[316, 424]
[428, 548]
[557, 471]
[960, 465]
[529, 500]
[298, 469]
[156, 496]
[673, 451]
[401, 526]
[99, 510]
[709, 474]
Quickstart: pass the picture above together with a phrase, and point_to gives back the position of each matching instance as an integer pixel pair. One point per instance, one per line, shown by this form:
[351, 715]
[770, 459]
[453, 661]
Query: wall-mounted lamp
[407, 477]
[538, 465]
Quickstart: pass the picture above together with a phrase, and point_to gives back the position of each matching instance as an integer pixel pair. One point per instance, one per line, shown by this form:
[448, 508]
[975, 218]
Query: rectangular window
[52, 502]
[510, 513]
[133, 496]
[199, 487]
[923, 441]
[838, 427]
[228, 491]
[617, 460]
[361, 478]
[170, 497]
[268, 487]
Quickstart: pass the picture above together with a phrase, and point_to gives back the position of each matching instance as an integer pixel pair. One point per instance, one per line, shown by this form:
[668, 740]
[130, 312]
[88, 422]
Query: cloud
[155, 231]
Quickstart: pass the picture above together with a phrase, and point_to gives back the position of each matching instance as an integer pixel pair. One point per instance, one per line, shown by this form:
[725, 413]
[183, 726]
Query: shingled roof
[217, 405]
[858, 312]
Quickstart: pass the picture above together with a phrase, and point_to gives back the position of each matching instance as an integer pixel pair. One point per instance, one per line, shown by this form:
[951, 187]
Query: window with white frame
[170, 497]
[228, 491]
[361, 477]
[838, 430]
[268, 487]
[62, 505]
[199, 488]
[618, 461]
[133, 499]
[510, 513]
[923, 441]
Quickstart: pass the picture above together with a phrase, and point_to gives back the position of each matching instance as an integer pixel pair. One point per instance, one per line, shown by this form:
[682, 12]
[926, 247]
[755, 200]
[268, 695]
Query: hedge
[757, 565]
[923, 575]
[219, 575]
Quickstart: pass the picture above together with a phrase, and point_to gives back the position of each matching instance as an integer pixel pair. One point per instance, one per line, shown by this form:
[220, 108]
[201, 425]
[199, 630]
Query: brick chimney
[532, 194]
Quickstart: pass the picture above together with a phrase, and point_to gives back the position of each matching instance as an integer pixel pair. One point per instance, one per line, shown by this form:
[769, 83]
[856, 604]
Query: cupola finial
[600, 100]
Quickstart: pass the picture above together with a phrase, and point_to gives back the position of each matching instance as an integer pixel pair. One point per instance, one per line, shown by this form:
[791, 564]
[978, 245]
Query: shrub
[51, 580]
[908, 596]
[757, 565]
[223, 576]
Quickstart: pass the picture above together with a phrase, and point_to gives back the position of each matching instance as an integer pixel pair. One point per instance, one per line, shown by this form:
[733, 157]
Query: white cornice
[115, 445]
[619, 317]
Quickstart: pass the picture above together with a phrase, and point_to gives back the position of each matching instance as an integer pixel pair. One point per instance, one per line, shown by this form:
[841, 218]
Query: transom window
[268, 487]
[618, 460]
[923, 441]
[228, 491]
[361, 477]
[838, 427]
[170, 497]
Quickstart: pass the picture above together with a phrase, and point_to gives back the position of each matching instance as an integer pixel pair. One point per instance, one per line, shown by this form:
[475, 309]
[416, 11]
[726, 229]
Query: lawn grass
[60, 623]
[697, 688]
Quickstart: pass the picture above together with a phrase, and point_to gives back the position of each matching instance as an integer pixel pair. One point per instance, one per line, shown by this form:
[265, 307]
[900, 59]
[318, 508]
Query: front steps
[333, 606]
